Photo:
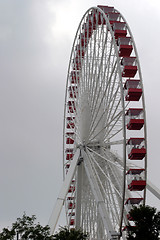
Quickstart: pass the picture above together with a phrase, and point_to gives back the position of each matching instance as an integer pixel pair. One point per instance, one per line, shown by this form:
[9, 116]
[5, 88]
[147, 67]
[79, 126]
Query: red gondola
[125, 47]
[71, 189]
[133, 90]
[136, 148]
[71, 205]
[133, 201]
[69, 156]
[74, 77]
[119, 29]
[71, 106]
[135, 119]
[137, 183]
[129, 67]
[72, 222]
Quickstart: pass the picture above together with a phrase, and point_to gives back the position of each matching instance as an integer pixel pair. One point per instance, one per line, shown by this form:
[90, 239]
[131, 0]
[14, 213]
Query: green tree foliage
[147, 223]
[26, 228]
[72, 234]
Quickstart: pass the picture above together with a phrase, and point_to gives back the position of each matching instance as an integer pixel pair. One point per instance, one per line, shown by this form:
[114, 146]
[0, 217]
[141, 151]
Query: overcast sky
[36, 37]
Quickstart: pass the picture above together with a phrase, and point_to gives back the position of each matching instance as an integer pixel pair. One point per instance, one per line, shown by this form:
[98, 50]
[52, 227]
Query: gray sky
[35, 42]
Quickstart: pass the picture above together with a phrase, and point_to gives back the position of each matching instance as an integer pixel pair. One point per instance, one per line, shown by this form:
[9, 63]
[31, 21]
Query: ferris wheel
[104, 136]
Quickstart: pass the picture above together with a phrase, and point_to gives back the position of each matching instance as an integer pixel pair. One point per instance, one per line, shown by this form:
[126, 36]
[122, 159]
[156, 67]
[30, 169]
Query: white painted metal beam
[78, 195]
[153, 189]
[64, 190]
[99, 198]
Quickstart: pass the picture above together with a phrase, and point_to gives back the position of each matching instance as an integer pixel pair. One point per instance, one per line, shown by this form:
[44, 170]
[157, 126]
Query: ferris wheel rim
[122, 95]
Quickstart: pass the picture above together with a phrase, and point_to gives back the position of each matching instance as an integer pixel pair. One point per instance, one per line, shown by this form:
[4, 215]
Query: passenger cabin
[106, 9]
[77, 60]
[129, 67]
[70, 198]
[113, 17]
[69, 156]
[91, 24]
[77, 63]
[125, 46]
[136, 148]
[80, 51]
[69, 141]
[71, 205]
[69, 150]
[87, 30]
[134, 117]
[73, 91]
[71, 107]
[130, 202]
[97, 18]
[94, 17]
[67, 166]
[83, 40]
[70, 138]
[135, 180]
[133, 201]
[71, 213]
[71, 189]
[70, 125]
[133, 90]
[72, 222]
[70, 134]
[119, 29]
[74, 77]
[70, 122]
